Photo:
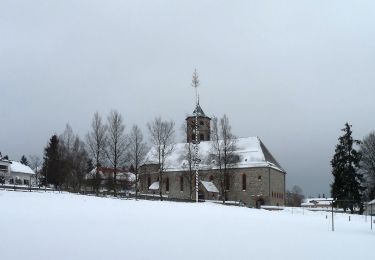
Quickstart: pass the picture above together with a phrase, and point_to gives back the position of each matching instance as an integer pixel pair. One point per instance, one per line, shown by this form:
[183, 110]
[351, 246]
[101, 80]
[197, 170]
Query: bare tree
[162, 137]
[67, 138]
[367, 164]
[36, 165]
[73, 158]
[224, 146]
[96, 142]
[78, 164]
[137, 152]
[189, 155]
[294, 197]
[117, 144]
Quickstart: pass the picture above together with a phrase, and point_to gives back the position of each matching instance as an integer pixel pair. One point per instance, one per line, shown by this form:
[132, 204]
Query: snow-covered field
[66, 226]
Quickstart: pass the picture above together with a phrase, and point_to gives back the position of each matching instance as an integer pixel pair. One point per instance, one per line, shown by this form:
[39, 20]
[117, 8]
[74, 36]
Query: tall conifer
[346, 186]
[52, 163]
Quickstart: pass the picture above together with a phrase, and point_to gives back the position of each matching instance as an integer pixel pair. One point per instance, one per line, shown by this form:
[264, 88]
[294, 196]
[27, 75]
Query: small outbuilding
[370, 208]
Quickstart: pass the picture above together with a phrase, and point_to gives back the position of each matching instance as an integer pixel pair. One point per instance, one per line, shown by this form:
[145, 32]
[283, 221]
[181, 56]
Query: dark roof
[199, 112]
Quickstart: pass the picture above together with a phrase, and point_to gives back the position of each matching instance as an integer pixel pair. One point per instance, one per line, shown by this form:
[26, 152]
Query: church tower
[204, 126]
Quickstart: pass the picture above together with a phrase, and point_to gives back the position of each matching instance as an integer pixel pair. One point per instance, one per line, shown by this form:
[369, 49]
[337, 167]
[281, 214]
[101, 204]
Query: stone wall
[264, 185]
[203, 126]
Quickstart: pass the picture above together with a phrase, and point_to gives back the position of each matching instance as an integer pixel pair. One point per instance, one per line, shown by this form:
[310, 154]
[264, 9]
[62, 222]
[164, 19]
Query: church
[256, 178]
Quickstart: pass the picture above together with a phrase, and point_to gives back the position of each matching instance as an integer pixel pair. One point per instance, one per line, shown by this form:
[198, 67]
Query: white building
[4, 170]
[16, 173]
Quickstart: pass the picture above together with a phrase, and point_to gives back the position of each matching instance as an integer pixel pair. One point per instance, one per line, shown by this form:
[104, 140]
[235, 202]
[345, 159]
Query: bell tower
[204, 127]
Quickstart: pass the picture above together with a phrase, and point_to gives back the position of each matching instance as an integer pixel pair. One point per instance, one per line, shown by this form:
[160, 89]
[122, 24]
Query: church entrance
[201, 195]
[259, 202]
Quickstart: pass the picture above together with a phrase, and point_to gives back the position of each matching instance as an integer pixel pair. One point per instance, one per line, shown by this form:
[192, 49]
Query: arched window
[227, 182]
[211, 178]
[243, 181]
[167, 184]
[201, 137]
[181, 183]
[148, 181]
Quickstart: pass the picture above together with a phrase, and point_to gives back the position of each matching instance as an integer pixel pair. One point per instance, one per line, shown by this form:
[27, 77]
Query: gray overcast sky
[290, 72]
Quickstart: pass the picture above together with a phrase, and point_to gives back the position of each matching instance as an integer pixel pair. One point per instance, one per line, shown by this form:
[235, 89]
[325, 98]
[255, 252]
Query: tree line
[67, 158]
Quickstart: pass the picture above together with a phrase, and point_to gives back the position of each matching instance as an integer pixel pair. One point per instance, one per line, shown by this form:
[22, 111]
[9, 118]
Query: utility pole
[333, 226]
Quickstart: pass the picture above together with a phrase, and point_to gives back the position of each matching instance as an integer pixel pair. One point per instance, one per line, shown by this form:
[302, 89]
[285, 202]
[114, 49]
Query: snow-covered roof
[251, 152]
[154, 186]
[317, 201]
[20, 168]
[209, 186]
[307, 204]
[126, 176]
[371, 202]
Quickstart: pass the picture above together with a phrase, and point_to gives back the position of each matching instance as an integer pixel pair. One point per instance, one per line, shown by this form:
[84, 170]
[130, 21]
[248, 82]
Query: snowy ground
[64, 226]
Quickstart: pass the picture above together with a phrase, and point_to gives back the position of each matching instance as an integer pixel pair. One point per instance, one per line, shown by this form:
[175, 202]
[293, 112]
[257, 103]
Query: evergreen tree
[346, 186]
[24, 160]
[52, 165]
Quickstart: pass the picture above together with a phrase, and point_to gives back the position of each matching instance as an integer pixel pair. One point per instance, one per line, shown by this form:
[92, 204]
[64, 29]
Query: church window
[211, 178]
[201, 137]
[227, 182]
[148, 181]
[201, 123]
[243, 181]
[181, 183]
[259, 178]
[167, 184]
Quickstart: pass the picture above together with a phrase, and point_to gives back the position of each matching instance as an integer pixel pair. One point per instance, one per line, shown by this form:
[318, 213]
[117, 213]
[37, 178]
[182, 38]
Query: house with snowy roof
[16, 173]
[256, 178]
